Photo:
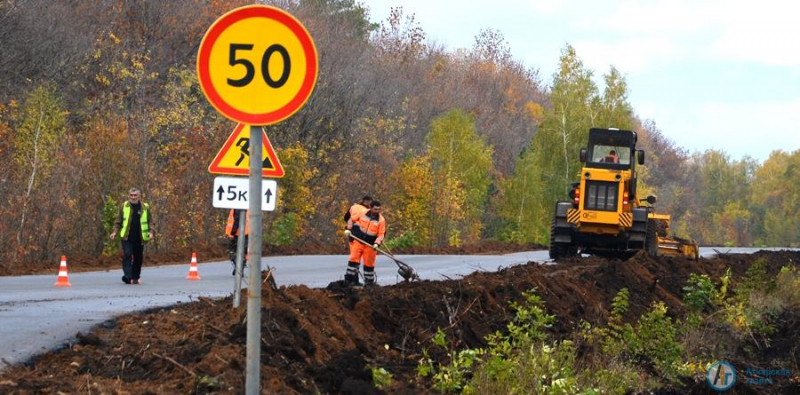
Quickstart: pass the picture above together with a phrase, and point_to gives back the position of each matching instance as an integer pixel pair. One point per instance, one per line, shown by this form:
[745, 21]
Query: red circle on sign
[257, 11]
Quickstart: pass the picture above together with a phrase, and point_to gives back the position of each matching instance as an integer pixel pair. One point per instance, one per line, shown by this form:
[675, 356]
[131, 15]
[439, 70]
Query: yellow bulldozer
[605, 216]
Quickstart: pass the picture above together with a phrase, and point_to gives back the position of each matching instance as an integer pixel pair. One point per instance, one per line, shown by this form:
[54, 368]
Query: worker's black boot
[351, 277]
[369, 276]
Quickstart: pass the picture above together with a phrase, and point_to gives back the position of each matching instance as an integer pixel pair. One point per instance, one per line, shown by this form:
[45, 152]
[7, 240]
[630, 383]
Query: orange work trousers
[358, 251]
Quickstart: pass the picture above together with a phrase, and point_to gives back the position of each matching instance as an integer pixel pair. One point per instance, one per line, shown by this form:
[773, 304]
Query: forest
[460, 146]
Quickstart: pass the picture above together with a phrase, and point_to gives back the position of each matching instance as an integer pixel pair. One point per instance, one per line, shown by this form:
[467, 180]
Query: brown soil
[207, 253]
[326, 340]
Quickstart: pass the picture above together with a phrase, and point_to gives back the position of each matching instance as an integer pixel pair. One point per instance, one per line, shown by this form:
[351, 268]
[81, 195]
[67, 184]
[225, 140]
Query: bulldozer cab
[609, 149]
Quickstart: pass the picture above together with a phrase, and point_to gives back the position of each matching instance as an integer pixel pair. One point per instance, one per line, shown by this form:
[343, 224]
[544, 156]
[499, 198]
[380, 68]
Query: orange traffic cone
[63, 278]
[193, 274]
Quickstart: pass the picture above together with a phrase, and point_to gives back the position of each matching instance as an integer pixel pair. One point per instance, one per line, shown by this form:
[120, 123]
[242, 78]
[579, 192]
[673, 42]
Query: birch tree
[40, 123]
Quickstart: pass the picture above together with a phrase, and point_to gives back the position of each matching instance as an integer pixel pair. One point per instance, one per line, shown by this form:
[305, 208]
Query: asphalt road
[36, 317]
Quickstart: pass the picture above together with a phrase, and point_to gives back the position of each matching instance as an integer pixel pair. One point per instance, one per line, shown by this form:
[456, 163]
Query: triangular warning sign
[234, 157]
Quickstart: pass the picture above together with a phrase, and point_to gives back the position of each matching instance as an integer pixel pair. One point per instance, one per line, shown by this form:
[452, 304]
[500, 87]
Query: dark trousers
[233, 244]
[132, 258]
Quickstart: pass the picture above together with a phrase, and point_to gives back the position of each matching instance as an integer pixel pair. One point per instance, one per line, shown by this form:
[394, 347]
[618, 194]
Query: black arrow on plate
[268, 194]
[220, 191]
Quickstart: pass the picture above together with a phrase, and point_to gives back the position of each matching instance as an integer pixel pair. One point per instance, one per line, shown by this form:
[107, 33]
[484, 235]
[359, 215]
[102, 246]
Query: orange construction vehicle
[605, 216]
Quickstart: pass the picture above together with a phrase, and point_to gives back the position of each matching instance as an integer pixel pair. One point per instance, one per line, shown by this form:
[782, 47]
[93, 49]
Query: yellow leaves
[114, 38]
[40, 122]
[694, 367]
[412, 198]
[102, 80]
[461, 163]
[137, 64]
[643, 176]
[295, 197]
[439, 67]
[535, 112]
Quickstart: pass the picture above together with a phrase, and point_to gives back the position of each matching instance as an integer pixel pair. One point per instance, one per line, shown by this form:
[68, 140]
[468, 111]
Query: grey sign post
[242, 99]
[237, 286]
[253, 368]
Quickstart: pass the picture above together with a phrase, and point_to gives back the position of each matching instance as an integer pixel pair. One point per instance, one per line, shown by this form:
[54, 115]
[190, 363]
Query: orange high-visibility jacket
[369, 228]
[229, 229]
[356, 210]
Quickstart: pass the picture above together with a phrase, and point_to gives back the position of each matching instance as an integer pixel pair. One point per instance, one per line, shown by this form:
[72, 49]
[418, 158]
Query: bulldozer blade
[676, 246]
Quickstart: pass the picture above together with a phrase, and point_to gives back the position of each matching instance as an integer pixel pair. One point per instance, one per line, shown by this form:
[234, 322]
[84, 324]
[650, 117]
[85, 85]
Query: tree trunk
[31, 179]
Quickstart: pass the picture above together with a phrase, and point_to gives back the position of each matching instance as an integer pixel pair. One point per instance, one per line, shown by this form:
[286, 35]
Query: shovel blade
[407, 273]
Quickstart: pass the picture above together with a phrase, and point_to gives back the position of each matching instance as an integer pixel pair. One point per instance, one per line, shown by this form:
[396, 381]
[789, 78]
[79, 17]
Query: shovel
[407, 272]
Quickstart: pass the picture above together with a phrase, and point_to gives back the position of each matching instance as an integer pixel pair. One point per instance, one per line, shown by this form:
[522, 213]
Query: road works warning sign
[234, 157]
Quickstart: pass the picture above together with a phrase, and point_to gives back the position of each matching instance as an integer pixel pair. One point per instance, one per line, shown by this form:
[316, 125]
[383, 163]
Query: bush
[539, 369]
[110, 208]
[656, 337]
[788, 286]
[521, 361]
[451, 377]
[381, 378]
[283, 230]
[755, 280]
[699, 292]
[407, 239]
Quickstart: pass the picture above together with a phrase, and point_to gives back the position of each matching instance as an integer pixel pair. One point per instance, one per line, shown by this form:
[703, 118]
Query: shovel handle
[390, 256]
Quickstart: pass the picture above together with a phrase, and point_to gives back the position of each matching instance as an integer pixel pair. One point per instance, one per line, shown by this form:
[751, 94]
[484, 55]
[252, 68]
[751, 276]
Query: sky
[712, 74]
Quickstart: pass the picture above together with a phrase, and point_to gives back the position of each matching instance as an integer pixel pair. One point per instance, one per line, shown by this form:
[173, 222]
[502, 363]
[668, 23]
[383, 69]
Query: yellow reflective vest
[123, 221]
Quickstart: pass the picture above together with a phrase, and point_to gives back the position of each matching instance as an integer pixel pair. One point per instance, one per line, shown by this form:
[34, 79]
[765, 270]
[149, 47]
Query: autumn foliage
[460, 146]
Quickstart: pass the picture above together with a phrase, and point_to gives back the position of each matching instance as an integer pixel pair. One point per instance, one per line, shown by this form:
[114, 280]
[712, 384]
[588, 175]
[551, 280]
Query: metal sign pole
[237, 286]
[253, 369]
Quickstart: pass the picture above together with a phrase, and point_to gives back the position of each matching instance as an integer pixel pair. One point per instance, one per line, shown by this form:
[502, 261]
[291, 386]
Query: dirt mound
[328, 340]
[218, 251]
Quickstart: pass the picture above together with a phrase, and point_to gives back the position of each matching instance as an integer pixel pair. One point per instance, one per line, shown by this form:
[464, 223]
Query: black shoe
[233, 273]
[126, 280]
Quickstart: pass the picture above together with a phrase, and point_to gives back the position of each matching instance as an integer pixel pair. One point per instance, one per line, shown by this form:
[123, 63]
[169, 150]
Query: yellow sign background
[232, 159]
[257, 97]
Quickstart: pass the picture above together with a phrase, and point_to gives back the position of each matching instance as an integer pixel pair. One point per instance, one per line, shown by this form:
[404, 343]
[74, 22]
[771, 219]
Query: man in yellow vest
[134, 224]
[232, 233]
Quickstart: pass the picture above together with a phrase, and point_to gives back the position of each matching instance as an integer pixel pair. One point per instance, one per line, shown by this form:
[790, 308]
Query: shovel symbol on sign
[244, 146]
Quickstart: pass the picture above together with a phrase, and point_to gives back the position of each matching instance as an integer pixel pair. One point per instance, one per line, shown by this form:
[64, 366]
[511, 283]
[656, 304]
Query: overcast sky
[721, 74]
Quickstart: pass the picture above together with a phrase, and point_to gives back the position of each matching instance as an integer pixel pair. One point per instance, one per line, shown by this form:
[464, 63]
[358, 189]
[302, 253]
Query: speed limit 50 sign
[257, 65]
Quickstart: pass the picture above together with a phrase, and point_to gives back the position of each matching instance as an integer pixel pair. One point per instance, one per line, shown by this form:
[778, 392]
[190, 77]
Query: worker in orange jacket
[357, 209]
[232, 233]
[371, 228]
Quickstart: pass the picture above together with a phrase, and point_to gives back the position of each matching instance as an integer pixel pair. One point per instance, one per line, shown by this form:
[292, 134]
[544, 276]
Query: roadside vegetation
[460, 145]
[734, 319]
[587, 326]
